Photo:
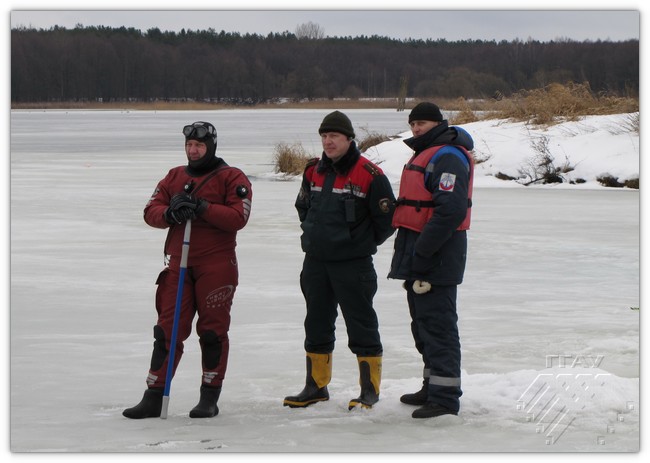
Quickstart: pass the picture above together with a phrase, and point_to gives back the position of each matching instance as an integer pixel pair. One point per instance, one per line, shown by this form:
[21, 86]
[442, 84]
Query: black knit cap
[337, 122]
[425, 112]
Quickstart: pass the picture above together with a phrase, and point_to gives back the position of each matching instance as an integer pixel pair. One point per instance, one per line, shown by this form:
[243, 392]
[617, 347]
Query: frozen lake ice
[550, 288]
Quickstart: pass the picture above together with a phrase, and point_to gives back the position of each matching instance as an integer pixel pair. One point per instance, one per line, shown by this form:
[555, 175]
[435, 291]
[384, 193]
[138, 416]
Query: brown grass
[370, 140]
[556, 102]
[465, 113]
[290, 159]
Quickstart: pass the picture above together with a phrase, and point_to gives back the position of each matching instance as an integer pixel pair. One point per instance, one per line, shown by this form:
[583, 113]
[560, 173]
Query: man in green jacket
[345, 206]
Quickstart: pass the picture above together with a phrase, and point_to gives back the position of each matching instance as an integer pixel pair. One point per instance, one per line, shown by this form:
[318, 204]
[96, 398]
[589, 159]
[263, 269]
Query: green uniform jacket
[345, 209]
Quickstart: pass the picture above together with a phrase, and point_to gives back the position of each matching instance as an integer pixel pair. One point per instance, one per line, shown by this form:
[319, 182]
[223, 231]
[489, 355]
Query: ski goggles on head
[200, 131]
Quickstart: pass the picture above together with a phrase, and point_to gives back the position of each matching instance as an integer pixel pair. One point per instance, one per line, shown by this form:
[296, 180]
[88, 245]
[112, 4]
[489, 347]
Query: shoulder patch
[384, 205]
[447, 182]
[310, 165]
[242, 191]
[372, 168]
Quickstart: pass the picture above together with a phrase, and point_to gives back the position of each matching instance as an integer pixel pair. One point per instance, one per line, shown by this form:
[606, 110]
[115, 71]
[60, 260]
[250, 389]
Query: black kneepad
[210, 349]
[159, 349]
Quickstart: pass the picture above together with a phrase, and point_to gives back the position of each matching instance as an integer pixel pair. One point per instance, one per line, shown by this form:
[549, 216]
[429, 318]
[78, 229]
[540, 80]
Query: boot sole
[201, 414]
[432, 413]
[296, 404]
[356, 404]
[413, 402]
[140, 417]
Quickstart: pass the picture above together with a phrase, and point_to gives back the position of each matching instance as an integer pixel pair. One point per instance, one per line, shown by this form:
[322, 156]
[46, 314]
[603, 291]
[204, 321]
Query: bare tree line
[125, 64]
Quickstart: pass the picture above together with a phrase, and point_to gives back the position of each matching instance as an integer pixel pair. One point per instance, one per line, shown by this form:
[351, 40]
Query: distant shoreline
[388, 103]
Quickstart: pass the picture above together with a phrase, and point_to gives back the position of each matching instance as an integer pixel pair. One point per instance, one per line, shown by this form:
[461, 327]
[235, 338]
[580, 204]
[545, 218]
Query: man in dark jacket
[432, 216]
[345, 206]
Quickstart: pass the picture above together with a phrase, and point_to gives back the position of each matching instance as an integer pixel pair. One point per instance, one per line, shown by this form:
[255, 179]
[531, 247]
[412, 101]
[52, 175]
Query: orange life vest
[414, 204]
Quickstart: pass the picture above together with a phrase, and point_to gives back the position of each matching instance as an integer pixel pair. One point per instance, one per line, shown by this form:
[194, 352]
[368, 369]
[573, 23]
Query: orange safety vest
[415, 205]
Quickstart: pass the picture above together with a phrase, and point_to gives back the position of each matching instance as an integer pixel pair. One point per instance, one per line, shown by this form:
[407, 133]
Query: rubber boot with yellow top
[319, 374]
[370, 380]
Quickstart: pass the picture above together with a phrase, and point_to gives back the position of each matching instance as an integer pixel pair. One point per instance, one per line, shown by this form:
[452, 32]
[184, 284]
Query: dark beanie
[425, 112]
[337, 122]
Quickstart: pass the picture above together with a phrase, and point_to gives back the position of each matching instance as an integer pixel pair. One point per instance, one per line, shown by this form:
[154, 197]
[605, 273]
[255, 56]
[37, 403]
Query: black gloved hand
[181, 200]
[180, 215]
[201, 206]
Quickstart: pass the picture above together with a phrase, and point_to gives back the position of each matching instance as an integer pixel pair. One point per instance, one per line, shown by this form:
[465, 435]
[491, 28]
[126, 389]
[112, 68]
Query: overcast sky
[620, 21]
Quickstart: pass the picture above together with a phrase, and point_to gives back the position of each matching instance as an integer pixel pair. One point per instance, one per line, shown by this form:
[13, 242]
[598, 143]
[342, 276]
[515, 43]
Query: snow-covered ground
[549, 317]
[592, 147]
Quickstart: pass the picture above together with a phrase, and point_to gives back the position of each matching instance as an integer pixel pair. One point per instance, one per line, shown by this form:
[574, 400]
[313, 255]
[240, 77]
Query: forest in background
[103, 64]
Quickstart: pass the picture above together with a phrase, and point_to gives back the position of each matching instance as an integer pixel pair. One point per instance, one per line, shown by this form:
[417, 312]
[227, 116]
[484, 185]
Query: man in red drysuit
[217, 198]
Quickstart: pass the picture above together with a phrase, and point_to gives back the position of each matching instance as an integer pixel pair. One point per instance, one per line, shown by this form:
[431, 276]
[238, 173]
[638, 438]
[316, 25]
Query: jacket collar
[209, 165]
[343, 165]
[435, 136]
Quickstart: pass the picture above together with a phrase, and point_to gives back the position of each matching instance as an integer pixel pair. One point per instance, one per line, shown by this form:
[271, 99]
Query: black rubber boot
[319, 374]
[369, 380]
[149, 407]
[431, 410]
[207, 406]
[417, 398]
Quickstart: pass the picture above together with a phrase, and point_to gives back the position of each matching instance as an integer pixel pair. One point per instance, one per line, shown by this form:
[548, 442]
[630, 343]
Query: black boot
[417, 398]
[369, 380]
[319, 374]
[207, 406]
[149, 407]
[431, 410]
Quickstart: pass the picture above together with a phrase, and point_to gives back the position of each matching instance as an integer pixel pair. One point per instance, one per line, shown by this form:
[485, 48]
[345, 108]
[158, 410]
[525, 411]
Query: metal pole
[177, 312]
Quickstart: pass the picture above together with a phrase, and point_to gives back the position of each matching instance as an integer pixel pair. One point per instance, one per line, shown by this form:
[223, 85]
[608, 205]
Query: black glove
[182, 200]
[180, 215]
